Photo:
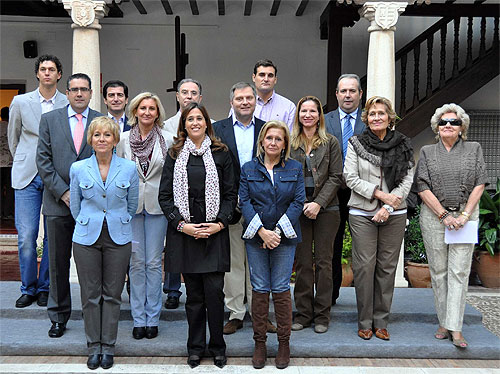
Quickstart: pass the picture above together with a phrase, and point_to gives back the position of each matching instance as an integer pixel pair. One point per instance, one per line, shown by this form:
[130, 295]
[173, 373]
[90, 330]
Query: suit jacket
[92, 200]
[126, 126]
[149, 184]
[55, 154]
[334, 127]
[225, 132]
[24, 121]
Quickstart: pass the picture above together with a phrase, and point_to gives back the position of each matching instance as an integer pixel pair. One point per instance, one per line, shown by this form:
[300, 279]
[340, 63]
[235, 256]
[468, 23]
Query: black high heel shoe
[220, 361]
[193, 361]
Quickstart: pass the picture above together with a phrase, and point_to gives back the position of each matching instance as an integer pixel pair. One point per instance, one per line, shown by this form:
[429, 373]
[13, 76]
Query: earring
[114, 150]
[93, 152]
[460, 133]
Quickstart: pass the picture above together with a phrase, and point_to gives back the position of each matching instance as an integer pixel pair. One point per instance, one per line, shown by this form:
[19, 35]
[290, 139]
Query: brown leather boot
[283, 311]
[260, 311]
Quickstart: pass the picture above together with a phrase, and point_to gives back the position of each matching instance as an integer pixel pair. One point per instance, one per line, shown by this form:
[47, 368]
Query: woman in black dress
[197, 195]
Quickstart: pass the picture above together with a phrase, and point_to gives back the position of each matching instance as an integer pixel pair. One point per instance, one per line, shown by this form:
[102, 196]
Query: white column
[86, 55]
[381, 55]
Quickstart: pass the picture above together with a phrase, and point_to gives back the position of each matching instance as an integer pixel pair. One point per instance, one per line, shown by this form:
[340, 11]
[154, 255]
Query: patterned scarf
[181, 187]
[141, 149]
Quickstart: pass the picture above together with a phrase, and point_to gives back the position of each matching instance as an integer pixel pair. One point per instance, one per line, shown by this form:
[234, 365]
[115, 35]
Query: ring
[381, 221]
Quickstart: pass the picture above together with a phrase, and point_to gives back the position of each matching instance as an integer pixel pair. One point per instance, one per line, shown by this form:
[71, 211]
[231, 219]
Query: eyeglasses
[452, 122]
[76, 89]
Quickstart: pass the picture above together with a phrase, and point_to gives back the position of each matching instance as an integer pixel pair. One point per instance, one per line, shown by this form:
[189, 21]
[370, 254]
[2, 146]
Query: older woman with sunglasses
[450, 179]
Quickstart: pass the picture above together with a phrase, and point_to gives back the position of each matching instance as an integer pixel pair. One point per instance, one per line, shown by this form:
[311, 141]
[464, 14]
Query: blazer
[55, 154]
[149, 183]
[362, 177]
[326, 165]
[259, 195]
[22, 133]
[92, 200]
[334, 127]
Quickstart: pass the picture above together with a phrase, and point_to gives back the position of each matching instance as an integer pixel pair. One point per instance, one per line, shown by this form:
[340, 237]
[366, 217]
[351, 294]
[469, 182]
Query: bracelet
[277, 231]
[181, 225]
[443, 216]
[465, 214]
[221, 226]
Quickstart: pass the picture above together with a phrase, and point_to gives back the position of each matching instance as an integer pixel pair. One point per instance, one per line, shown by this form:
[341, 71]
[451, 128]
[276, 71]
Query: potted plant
[417, 268]
[347, 274]
[487, 258]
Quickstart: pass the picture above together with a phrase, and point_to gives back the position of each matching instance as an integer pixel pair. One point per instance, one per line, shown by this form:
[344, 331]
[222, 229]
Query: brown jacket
[326, 162]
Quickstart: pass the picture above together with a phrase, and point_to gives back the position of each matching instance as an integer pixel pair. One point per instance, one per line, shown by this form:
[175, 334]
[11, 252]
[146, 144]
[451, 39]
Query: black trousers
[205, 300]
[343, 194]
[59, 235]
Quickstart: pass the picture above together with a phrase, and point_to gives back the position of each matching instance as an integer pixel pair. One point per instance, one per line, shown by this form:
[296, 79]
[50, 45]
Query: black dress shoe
[106, 361]
[220, 361]
[193, 361]
[94, 361]
[42, 298]
[139, 332]
[57, 330]
[151, 332]
[172, 302]
[25, 300]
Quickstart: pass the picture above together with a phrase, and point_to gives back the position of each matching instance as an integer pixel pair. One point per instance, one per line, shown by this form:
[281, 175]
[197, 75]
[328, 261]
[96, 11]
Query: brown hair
[179, 140]
[388, 107]
[298, 137]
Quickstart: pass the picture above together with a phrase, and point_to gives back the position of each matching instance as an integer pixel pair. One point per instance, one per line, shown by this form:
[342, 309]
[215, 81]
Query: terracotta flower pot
[419, 275]
[488, 269]
[347, 275]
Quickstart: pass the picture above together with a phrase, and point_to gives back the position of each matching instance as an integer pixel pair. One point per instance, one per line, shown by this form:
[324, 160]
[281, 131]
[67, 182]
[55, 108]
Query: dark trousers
[59, 236]
[101, 272]
[319, 232]
[343, 194]
[205, 300]
[171, 281]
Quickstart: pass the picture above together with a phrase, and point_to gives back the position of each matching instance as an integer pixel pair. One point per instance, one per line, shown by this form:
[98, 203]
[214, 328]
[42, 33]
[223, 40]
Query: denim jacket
[272, 202]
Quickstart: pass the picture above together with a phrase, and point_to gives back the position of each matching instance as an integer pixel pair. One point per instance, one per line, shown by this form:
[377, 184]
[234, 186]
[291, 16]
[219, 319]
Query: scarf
[394, 154]
[181, 186]
[141, 149]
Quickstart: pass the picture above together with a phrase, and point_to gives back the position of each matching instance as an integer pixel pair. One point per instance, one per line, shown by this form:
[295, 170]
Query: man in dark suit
[343, 123]
[239, 132]
[115, 94]
[62, 141]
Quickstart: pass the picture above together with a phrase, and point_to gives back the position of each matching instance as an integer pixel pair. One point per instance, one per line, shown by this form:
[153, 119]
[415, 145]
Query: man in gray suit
[25, 112]
[62, 141]
[343, 123]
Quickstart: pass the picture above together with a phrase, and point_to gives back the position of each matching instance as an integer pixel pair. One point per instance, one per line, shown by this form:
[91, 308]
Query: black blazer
[55, 154]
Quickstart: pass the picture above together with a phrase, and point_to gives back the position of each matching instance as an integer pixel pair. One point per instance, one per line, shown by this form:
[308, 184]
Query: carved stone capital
[86, 13]
[382, 15]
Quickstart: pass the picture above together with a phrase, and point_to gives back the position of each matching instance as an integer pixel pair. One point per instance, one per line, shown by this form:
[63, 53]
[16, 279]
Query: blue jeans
[148, 231]
[270, 270]
[28, 202]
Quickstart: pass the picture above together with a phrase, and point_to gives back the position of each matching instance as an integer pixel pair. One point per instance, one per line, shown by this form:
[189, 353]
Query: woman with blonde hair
[321, 159]
[146, 144]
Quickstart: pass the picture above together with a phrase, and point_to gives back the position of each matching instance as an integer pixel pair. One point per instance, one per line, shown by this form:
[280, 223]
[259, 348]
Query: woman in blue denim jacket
[272, 198]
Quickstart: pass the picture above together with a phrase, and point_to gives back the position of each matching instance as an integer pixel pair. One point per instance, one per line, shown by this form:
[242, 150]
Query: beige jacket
[363, 178]
[149, 183]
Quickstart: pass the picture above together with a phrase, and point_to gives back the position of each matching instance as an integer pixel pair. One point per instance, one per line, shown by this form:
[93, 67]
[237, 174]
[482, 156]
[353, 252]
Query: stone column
[86, 56]
[381, 55]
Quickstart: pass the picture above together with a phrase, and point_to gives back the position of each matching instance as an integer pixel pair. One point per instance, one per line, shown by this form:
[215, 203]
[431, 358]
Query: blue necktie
[346, 133]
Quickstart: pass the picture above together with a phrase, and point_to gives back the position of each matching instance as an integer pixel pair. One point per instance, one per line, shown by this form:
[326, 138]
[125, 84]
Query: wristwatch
[389, 208]
[277, 230]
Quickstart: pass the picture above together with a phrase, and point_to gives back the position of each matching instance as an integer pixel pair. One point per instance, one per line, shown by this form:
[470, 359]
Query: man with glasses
[62, 141]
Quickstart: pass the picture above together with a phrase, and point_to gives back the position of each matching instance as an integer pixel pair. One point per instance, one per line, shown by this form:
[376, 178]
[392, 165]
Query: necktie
[78, 132]
[346, 133]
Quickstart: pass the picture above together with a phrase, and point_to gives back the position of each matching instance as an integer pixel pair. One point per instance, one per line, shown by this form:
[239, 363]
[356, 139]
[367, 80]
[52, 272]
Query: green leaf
[491, 235]
[485, 211]
[490, 249]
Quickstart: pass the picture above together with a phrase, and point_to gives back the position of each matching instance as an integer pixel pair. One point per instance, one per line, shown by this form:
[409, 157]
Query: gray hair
[450, 108]
[240, 86]
[188, 80]
[349, 76]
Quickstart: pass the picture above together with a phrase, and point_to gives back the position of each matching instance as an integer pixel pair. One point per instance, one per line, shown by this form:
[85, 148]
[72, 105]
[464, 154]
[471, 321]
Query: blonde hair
[136, 101]
[450, 108]
[105, 123]
[388, 107]
[298, 138]
[274, 125]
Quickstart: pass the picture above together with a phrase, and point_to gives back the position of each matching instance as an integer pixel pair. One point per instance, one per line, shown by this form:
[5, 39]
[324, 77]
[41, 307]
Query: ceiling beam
[167, 7]
[301, 8]
[275, 7]
[248, 8]
[221, 7]
[453, 10]
[139, 6]
[194, 8]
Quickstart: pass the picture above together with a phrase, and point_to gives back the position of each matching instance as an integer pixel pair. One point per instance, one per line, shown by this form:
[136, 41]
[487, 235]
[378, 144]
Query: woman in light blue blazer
[104, 196]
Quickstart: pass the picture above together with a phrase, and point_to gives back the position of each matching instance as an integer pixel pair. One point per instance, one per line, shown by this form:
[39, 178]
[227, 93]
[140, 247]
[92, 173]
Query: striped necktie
[346, 133]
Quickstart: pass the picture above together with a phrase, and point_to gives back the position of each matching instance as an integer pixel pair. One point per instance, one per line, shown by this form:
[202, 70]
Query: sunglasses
[452, 122]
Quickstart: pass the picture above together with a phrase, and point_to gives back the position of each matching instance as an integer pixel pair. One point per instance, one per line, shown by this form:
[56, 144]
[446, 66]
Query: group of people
[232, 204]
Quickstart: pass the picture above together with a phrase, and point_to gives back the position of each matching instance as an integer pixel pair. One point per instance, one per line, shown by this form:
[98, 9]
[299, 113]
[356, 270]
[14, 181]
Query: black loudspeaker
[30, 49]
